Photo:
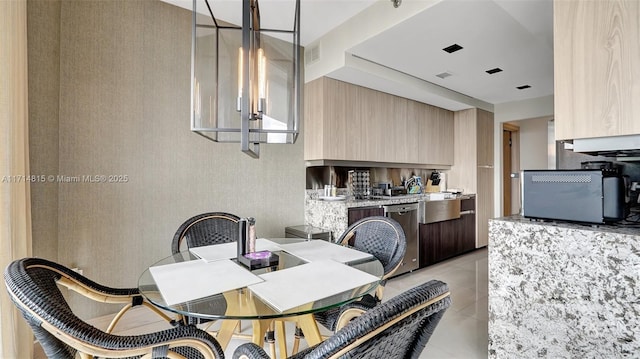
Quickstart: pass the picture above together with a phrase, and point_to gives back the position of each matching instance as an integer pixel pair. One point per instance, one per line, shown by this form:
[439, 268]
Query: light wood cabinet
[330, 138]
[596, 68]
[473, 169]
[484, 136]
[484, 210]
[434, 129]
[353, 123]
[376, 111]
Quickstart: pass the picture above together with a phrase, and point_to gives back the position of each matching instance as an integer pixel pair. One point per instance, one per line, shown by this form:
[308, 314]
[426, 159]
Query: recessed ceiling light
[444, 75]
[523, 87]
[453, 48]
[494, 70]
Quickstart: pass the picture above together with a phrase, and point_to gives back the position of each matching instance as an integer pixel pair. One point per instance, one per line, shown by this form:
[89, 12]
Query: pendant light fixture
[245, 79]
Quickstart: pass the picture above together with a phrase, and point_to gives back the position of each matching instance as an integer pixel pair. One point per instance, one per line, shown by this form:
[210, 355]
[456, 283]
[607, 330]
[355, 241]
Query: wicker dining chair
[397, 328]
[206, 229]
[33, 285]
[384, 238]
[203, 230]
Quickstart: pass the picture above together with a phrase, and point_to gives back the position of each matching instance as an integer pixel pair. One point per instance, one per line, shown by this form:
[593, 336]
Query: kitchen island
[563, 290]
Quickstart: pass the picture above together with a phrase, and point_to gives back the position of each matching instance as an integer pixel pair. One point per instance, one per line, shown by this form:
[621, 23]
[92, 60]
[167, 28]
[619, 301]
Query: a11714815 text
[64, 179]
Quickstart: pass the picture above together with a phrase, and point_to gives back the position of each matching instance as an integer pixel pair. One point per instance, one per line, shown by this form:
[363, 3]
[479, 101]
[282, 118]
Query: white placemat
[292, 287]
[318, 249]
[184, 281]
[229, 250]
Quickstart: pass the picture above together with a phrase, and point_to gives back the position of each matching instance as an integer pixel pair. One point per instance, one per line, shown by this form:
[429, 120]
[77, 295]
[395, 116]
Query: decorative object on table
[261, 104]
[33, 285]
[247, 254]
[359, 183]
[397, 328]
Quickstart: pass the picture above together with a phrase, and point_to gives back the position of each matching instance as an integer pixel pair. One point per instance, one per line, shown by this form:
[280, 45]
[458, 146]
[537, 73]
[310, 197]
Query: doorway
[510, 169]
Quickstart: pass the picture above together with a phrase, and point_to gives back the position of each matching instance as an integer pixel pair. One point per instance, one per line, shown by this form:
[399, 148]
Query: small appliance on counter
[396, 191]
[605, 166]
[385, 190]
[595, 196]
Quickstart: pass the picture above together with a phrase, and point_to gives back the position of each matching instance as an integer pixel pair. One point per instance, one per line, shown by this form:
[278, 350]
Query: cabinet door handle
[471, 211]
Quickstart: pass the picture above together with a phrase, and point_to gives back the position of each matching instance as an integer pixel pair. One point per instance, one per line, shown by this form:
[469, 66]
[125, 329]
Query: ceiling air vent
[312, 54]
[453, 48]
[523, 87]
[444, 75]
[494, 71]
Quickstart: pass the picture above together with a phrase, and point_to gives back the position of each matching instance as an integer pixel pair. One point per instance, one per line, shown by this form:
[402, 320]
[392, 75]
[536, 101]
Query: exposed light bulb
[262, 74]
[240, 73]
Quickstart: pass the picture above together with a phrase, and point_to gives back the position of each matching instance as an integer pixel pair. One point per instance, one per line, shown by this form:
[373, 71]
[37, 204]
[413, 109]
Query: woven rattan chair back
[203, 230]
[380, 236]
[398, 328]
[32, 284]
[206, 229]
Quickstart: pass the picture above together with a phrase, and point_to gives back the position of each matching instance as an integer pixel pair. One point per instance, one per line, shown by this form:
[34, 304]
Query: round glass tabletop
[245, 303]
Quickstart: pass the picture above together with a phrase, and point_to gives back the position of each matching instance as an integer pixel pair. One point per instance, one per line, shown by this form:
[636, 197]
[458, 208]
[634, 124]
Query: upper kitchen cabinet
[331, 138]
[345, 122]
[384, 130]
[596, 68]
[432, 128]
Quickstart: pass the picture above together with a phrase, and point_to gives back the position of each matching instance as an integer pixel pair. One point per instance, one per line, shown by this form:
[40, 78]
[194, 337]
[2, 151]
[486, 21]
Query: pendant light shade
[246, 72]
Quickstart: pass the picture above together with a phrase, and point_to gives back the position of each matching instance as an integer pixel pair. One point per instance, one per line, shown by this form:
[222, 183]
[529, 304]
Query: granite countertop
[351, 202]
[563, 290]
[333, 215]
[614, 228]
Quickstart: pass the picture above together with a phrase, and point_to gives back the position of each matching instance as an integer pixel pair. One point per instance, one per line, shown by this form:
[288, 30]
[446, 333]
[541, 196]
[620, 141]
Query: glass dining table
[319, 276]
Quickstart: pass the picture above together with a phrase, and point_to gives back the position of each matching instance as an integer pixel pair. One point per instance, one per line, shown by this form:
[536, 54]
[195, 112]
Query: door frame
[510, 162]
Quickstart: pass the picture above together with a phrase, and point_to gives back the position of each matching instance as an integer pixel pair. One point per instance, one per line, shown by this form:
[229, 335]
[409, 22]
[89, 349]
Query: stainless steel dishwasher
[407, 215]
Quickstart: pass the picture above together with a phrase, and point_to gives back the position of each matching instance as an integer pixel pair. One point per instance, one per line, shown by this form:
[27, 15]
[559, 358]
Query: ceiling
[513, 35]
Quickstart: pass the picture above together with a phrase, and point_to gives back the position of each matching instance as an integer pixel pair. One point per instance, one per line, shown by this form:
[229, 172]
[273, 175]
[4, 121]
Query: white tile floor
[461, 334]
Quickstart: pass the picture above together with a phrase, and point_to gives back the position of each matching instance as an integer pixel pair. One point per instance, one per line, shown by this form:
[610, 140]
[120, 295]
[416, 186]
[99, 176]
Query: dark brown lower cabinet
[466, 240]
[447, 239]
[356, 214]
